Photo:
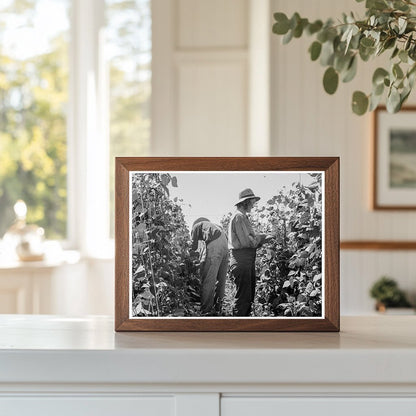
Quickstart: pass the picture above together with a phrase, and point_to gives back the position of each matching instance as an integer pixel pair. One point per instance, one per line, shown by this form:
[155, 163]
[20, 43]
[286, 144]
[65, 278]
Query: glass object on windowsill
[25, 241]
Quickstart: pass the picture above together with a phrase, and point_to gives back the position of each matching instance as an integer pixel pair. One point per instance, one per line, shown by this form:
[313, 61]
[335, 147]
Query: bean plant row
[165, 272]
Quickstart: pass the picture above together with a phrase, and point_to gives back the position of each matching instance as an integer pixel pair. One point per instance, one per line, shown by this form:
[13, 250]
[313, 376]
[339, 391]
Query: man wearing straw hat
[214, 264]
[243, 242]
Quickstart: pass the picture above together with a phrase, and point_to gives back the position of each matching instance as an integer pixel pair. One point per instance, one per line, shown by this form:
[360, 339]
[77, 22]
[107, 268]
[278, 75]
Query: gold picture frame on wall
[394, 159]
[155, 227]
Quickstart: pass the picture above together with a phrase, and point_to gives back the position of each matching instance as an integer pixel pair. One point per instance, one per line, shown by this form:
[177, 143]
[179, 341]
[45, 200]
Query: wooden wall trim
[378, 245]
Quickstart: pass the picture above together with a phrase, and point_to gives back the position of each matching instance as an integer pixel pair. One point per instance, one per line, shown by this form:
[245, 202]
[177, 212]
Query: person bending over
[211, 241]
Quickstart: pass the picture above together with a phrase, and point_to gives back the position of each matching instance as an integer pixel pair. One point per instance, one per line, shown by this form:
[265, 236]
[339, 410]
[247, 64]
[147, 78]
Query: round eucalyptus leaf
[412, 70]
[389, 43]
[367, 42]
[393, 101]
[400, 5]
[404, 95]
[288, 37]
[403, 56]
[355, 41]
[294, 20]
[382, 19]
[341, 61]
[379, 75]
[351, 71]
[332, 33]
[397, 71]
[366, 53]
[327, 53]
[395, 52]
[359, 103]
[281, 27]
[315, 50]
[322, 36]
[374, 102]
[314, 27]
[378, 89]
[298, 30]
[376, 4]
[330, 80]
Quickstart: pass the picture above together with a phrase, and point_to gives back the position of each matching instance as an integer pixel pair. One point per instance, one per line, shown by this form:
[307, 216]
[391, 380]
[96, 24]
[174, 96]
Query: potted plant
[387, 294]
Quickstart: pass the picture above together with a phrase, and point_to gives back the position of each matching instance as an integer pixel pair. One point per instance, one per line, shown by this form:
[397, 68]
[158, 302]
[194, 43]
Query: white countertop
[50, 349]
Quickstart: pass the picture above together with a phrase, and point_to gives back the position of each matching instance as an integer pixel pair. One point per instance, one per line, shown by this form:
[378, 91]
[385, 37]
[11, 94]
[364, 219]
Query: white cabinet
[271, 406]
[80, 366]
[88, 406]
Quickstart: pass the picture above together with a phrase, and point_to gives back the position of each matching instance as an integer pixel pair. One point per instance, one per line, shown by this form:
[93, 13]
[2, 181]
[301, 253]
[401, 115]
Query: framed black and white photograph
[394, 159]
[233, 244]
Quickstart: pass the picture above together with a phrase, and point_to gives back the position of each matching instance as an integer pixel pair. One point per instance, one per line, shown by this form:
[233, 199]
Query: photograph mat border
[269, 172]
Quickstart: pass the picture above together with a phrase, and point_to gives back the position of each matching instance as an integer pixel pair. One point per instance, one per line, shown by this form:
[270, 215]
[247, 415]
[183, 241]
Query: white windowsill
[64, 257]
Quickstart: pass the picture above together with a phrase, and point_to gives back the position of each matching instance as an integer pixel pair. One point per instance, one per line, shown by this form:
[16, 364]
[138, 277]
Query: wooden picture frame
[129, 205]
[394, 154]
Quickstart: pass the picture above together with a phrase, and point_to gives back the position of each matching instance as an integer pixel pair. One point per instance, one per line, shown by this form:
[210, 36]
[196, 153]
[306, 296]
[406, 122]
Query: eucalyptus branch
[389, 25]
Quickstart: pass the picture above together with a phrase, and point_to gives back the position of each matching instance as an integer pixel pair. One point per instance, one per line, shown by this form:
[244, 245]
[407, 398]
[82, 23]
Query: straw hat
[246, 194]
[201, 219]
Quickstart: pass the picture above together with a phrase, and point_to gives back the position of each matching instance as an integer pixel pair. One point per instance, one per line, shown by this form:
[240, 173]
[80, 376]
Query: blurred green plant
[34, 104]
[388, 27]
[388, 294]
[33, 100]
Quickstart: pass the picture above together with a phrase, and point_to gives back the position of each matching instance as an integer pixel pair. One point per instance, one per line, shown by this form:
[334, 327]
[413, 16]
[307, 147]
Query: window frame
[87, 133]
[87, 128]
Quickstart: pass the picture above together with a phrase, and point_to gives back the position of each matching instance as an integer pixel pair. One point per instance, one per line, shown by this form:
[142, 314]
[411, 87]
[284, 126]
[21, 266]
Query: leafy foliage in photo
[166, 280]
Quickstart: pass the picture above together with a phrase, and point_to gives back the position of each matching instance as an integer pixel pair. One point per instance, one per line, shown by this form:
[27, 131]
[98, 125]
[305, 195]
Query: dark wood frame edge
[331, 321]
[121, 244]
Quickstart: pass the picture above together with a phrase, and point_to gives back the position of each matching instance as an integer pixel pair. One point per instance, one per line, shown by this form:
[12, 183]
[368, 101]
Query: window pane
[129, 46]
[33, 100]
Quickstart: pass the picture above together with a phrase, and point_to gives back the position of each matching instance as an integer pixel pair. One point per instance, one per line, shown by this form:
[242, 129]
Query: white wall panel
[212, 108]
[308, 122]
[212, 24]
[200, 77]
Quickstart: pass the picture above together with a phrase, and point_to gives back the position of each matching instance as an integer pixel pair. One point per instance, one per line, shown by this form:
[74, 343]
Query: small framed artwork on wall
[394, 159]
[227, 244]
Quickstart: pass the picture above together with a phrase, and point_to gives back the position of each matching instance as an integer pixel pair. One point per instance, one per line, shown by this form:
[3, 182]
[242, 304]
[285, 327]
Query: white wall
[211, 79]
[219, 77]
[200, 78]
[308, 122]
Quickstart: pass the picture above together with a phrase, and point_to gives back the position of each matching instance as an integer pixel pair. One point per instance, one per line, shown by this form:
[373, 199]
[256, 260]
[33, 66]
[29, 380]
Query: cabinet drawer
[87, 406]
[273, 406]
